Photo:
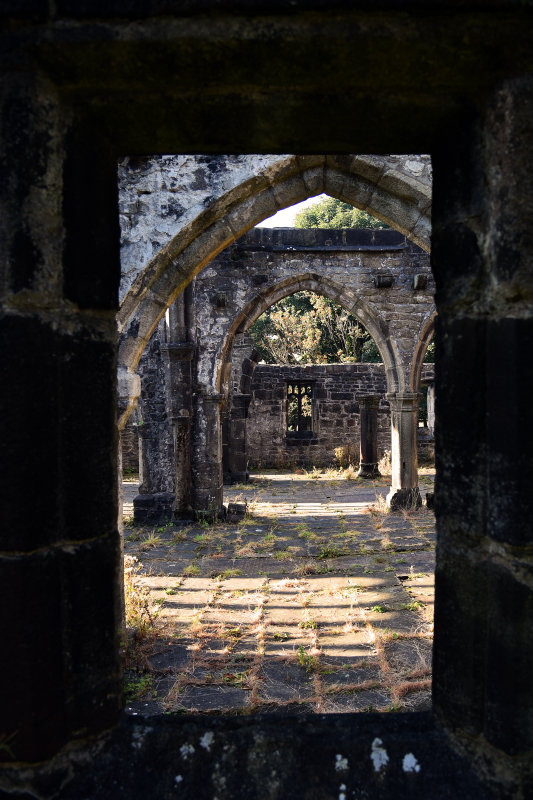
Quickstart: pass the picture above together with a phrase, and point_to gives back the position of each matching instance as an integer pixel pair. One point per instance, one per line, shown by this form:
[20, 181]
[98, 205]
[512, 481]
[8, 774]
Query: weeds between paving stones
[232, 634]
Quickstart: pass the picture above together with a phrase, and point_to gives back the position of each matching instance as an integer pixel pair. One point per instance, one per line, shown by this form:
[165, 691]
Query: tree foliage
[429, 358]
[307, 328]
[332, 213]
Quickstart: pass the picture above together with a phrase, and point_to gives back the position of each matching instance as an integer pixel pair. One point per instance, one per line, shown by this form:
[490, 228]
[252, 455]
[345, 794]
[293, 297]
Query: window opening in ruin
[299, 408]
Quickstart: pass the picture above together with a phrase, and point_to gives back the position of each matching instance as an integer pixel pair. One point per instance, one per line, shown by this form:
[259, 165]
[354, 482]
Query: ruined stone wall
[161, 196]
[83, 84]
[335, 413]
[346, 265]
[378, 275]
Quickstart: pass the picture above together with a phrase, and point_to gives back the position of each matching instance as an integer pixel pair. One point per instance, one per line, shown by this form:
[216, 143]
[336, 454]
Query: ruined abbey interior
[198, 368]
[119, 242]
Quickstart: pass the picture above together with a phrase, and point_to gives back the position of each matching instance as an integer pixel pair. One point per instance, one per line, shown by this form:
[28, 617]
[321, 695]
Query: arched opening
[386, 77]
[296, 341]
[352, 302]
[214, 382]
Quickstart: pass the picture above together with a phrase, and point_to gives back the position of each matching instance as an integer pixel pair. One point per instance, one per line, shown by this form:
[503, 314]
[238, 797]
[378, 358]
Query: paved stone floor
[317, 601]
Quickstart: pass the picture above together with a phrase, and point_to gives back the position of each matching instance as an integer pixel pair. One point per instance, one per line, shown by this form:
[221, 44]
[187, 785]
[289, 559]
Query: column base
[368, 471]
[237, 477]
[150, 508]
[210, 515]
[403, 498]
[182, 514]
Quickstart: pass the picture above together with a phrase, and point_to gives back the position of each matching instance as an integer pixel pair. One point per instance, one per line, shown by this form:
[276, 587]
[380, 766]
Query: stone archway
[234, 435]
[225, 300]
[364, 181]
[349, 299]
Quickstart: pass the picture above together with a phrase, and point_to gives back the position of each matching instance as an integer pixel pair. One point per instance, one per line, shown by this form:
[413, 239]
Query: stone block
[68, 463]
[151, 508]
[236, 512]
[76, 688]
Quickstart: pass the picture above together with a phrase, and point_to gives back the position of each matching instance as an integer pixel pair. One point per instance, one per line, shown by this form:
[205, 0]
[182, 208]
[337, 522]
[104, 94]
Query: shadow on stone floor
[317, 600]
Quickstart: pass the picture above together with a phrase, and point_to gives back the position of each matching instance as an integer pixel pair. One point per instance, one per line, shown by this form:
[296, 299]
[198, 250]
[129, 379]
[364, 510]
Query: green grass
[137, 686]
[414, 605]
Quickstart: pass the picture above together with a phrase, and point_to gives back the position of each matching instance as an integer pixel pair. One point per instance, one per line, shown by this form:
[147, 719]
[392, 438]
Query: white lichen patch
[410, 764]
[186, 750]
[342, 791]
[207, 740]
[379, 755]
[139, 736]
[178, 779]
[341, 763]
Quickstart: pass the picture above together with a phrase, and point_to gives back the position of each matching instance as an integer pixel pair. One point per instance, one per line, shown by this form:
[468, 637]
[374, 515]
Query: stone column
[237, 454]
[182, 465]
[206, 455]
[150, 505]
[431, 408]
[368, 411]
[128, 391]
[404, 491]
[178, 362]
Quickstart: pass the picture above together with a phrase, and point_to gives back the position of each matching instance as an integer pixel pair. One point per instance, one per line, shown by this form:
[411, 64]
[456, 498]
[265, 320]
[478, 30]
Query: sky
[285, 217]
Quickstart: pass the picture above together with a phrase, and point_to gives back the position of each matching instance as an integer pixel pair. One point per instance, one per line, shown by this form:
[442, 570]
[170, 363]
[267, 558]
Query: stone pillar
[237, 454]
[206, 455]
[404, 491]
[483, 649]
[60, 544]
[368, 411]
[177, 358]
[431, 408]
[182, 465]
[150, 505]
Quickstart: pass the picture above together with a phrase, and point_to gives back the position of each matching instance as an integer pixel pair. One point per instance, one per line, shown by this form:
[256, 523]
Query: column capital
[403, 401]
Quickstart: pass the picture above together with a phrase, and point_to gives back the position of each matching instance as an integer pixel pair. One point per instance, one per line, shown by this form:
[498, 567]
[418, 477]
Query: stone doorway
[317, 600]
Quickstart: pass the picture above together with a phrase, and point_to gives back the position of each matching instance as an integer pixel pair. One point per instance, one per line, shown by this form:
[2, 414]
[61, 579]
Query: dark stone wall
[78, 90]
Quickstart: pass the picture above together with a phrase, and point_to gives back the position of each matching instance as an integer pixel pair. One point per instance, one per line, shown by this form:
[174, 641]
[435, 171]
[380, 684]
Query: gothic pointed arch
[318, 284]
[398, 199]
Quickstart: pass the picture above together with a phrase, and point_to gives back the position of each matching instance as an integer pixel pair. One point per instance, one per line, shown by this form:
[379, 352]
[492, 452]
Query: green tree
[332, 213]
[429, 358]
[306, 328]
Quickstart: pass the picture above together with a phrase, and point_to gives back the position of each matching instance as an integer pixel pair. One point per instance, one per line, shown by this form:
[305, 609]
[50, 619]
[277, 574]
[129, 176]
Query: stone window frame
[307, 384]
